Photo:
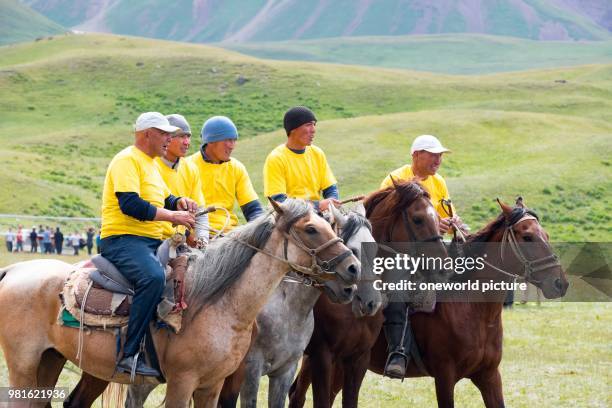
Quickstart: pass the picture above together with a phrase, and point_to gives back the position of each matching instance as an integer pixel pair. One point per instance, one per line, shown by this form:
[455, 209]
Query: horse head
[355, 230]
[312, 246]
[525, 247]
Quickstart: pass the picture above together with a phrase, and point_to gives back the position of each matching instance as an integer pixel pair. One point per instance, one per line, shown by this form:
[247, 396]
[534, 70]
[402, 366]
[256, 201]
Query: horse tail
[114, 395]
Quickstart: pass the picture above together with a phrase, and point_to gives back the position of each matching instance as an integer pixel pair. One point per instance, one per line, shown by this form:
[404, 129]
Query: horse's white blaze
[432, 212]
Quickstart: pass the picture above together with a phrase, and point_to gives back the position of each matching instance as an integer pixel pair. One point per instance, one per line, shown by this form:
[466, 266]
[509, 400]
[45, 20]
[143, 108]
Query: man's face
[222, 150]
[158, 141]
[426, 162]
[179, 145]
[304, 135]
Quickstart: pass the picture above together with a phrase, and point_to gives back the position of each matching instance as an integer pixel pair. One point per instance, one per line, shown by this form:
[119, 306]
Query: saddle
[98, 296]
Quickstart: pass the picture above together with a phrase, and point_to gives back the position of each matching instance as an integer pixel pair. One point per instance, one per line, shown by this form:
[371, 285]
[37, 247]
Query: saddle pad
[106, 309]
[102, 308]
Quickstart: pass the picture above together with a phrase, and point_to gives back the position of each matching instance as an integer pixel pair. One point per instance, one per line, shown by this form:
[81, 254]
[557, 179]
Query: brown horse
[400, 213]
[227, 288]
[464, 340]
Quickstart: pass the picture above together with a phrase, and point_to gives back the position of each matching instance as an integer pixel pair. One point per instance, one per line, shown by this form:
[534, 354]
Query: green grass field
[464, 54]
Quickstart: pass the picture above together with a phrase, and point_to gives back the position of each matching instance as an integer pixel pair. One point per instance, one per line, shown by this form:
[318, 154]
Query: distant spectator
[46, 241]
[33, 240]
[10, 240]
[75, 242]
[39, 237]
[59, 241]
[90, 237]
[19, 237]
[98, 242]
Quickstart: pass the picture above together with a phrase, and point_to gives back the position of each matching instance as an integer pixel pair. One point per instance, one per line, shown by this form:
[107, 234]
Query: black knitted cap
[296, 117]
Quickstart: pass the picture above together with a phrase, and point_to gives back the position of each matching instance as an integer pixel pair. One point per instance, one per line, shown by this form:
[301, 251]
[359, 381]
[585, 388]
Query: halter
[530, 266]
[317, 266]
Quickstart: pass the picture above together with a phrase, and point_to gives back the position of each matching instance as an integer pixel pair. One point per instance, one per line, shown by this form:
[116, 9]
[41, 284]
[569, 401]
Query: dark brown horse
[464, 340]
[401, 213]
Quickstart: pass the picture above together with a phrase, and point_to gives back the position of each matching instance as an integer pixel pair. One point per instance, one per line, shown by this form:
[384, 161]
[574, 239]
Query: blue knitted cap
[218, 128]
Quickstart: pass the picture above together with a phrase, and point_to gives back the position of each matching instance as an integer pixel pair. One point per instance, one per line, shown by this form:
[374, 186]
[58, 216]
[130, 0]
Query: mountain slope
[273, 20]
[72, 101]
[19, 23]
[450, 54]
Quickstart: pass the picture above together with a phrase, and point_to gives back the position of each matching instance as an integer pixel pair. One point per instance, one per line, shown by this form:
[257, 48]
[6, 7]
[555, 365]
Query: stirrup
[389, 357]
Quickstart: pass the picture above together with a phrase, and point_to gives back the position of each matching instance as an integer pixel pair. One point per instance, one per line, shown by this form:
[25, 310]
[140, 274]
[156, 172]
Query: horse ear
[519, 202]
[277, 207]
[338, 216]
[505, 207]
[360, 209]
[395, 182]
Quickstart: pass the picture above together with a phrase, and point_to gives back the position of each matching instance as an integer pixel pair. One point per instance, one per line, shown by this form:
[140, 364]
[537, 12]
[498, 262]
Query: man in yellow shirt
[297, 169]
[134, 202]
[426, 154]
[225, 180]
[182, 178]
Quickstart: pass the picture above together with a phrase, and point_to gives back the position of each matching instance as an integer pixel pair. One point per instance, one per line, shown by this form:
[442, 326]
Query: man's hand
[446, 227]
[185, 218]
[324, 204]
[187, 204]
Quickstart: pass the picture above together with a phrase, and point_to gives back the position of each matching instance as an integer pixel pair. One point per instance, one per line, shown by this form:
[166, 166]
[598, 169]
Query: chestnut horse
[464, 340]
[227, 288]
[343, 338]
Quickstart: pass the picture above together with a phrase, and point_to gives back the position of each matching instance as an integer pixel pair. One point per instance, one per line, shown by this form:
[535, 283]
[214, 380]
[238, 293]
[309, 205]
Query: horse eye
[417, 221]
[527, 238]
[311, 230]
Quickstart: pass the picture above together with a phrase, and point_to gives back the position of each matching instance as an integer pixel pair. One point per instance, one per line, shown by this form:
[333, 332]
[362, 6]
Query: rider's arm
[131, 204]
[252, 210]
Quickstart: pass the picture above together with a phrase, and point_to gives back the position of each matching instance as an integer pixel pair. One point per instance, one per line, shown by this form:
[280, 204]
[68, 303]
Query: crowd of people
[46, 240]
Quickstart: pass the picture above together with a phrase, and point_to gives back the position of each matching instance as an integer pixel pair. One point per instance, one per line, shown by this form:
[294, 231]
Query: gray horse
[286, 322]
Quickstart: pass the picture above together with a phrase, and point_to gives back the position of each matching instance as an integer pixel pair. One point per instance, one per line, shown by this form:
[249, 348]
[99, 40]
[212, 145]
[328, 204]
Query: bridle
[317, 266]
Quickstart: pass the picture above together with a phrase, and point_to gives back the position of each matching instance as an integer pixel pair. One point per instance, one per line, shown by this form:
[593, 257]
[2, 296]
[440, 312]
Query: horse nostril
[353, 269]
[348, 291]
[558, 284]
[370, 306]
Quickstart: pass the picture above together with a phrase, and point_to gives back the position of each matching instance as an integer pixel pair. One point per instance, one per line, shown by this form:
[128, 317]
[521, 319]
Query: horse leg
[321, 378]
[490, 385]
[49, 369]
[250, 386]
[231, 389]
[354, 371]
[299, 388]
[86, 391]
[137, 395]
[279, 386]
[207, 397]
[180, 390]
[445, 391]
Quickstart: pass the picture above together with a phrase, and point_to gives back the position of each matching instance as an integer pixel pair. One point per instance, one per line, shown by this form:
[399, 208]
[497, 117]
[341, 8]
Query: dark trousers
[89, 247]
[135, 258]
[58, 247]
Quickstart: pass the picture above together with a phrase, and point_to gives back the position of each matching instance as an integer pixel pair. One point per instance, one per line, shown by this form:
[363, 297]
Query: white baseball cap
[428, 143]
[155, 120]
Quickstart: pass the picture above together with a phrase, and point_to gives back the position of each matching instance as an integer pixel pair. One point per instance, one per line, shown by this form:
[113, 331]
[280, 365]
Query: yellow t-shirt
[131, 170]
[183, 181]
[222, 185]
[435, 186]
[297, 175]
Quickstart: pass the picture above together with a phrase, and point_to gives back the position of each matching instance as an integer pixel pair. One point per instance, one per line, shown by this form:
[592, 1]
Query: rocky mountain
[237, 21]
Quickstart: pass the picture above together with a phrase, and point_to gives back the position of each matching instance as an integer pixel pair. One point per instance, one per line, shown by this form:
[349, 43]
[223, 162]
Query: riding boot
[398, 339]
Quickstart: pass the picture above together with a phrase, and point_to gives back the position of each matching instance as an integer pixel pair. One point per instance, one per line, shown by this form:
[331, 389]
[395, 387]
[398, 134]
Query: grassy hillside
[449, 54]
[19, 23]
[69, 104]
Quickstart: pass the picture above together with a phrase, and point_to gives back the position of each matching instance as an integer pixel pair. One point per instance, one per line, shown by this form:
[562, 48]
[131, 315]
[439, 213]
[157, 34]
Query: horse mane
[486, 233]
[393, 200]
[225, 259]
[354, 223]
